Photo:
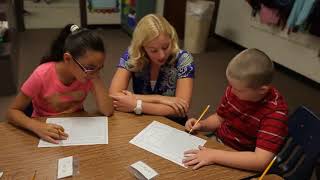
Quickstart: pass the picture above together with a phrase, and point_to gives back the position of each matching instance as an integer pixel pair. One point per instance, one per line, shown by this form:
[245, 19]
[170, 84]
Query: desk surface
[20, 156]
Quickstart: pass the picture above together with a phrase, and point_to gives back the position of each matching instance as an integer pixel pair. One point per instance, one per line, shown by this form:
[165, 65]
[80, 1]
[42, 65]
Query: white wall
[298, 52]
[160, 7]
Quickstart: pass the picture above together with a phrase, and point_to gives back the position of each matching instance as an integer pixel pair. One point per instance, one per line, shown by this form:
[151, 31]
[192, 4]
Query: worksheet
[81, 131]
[167, 142]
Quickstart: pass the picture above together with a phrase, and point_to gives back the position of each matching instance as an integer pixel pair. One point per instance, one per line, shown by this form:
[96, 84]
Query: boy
[252, 117]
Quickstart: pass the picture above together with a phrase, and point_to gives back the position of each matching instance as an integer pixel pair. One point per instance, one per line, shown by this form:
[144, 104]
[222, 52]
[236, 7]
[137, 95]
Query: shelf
[5, 50]
[3, 12]
[127, 29]
[8, 53]
[301, 38]
[141, 8]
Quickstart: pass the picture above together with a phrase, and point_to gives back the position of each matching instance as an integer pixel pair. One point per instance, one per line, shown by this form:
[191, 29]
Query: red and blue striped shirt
[248, 125]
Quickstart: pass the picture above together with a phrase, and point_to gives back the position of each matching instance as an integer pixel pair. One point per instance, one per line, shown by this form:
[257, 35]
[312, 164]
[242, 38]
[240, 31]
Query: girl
[162, 74]
[61, 82]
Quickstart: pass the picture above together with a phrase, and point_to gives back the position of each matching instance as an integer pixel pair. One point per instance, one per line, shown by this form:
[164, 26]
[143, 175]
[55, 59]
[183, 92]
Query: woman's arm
[160, 105]
[177, 105]
[16, 116]
[183, 94]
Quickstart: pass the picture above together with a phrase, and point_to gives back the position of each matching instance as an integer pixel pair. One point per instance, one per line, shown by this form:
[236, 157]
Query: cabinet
[133, 10]
[298, 52]
[8, 51]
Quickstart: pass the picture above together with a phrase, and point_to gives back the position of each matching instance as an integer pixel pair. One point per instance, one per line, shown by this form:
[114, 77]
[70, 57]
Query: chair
[299, 155]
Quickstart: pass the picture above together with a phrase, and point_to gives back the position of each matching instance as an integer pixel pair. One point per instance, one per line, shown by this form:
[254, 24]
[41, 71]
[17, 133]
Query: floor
[210, 78]
[59, 12]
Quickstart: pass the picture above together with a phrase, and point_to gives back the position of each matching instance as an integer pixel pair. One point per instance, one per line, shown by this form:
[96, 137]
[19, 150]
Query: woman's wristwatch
[138, 108]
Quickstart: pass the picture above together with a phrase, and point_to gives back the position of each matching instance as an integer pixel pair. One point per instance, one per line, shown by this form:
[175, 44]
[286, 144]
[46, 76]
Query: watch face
[137, 110]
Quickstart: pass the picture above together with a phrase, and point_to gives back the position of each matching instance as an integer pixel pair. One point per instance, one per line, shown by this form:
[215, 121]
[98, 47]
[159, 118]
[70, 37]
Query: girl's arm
[120, 82]
[16, 116]
[104, 102]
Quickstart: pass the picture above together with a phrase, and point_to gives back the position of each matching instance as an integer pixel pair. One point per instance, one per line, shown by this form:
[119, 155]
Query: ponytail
[56, 49]
[74, 40]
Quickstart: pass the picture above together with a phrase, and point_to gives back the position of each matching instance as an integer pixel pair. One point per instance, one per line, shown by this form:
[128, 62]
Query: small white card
[1, 173]
[65, 167]
[144, 171]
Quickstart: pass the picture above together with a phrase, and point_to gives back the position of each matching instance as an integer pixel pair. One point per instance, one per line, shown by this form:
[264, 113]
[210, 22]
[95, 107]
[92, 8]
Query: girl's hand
[178, 104]
[94, 76]
[126, 102]
[50, 132]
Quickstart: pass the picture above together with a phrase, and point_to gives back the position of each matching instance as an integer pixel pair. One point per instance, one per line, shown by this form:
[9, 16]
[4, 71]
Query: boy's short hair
[251, 66]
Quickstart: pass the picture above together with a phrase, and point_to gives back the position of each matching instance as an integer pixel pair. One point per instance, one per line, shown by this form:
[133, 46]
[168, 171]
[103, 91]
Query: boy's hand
[50, 132]
[190, 124]
[198, 158]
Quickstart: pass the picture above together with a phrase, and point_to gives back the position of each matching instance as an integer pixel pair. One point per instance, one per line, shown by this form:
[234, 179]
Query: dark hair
[76, 43]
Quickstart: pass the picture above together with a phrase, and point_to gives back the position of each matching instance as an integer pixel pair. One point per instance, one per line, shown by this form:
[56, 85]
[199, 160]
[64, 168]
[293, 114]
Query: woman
[162, 74]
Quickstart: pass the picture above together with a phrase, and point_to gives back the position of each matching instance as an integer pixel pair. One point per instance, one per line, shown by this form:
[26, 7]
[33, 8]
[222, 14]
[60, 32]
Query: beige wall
[298, 52]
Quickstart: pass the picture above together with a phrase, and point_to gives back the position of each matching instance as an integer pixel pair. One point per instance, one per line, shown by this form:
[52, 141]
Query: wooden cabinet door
[174, 11]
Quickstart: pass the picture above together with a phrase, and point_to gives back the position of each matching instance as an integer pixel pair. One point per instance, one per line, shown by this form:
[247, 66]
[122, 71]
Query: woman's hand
[178, 104]
[125, 102]
[49, 132]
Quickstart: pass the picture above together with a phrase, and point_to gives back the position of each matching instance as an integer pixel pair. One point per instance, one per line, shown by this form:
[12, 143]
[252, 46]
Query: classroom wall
[160, 7]
[298, 52]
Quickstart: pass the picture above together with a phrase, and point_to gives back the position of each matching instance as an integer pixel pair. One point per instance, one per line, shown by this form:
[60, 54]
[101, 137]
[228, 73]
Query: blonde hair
[252, 67]
[149, 28]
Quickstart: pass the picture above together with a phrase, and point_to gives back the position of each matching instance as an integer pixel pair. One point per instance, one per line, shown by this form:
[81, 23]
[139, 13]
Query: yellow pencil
[205, 110]
[34, 176]
[267, 169]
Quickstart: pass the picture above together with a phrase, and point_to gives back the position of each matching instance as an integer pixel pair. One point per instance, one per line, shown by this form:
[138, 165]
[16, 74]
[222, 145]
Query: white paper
[81, 131]
[65, 167]
[147, 172]
[167, 142]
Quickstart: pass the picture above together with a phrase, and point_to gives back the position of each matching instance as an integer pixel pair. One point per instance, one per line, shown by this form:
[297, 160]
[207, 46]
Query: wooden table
[20, 156]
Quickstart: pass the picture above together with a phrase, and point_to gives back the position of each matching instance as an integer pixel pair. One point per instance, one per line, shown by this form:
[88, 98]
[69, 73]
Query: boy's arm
[211, 123]
[256, 161]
